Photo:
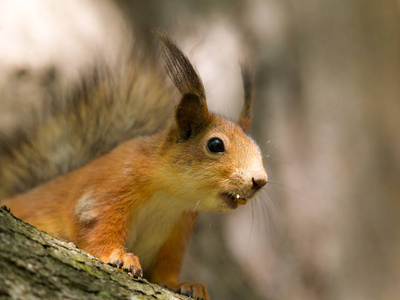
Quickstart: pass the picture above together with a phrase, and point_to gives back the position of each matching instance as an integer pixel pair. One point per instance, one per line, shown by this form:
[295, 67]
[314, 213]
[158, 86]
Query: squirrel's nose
[259, 180]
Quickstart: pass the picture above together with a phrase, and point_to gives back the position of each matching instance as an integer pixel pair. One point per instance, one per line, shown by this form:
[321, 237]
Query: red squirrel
[136, 205]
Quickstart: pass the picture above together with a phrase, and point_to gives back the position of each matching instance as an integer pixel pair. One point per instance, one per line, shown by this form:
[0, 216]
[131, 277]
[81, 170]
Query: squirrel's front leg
[169, 260]
[104, 235]
[111, 250]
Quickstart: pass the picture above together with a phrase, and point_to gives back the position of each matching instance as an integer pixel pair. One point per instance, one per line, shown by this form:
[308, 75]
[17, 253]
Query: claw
[139, 272]
[115, 259]
[126, 261]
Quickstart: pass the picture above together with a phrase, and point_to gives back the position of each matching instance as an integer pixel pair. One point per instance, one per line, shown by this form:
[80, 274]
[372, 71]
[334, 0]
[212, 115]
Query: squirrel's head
[211, 162]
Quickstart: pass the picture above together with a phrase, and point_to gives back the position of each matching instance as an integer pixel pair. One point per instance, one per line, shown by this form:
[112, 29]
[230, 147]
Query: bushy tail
[107, 108]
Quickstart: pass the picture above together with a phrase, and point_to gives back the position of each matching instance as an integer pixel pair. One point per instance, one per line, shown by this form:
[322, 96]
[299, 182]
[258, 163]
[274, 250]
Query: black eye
[215, 145]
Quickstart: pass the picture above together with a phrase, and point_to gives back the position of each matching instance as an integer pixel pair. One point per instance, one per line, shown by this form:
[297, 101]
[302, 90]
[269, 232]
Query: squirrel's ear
[191, 115]
[245, 115]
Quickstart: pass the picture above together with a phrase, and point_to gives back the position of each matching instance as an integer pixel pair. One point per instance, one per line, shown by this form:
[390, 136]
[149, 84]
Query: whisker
[266, 207]
[199, 218]
[270, 210]
[260, 217]
[198, 202]
[252, 223]
[219, 185]
[280, 183]
[274, 206]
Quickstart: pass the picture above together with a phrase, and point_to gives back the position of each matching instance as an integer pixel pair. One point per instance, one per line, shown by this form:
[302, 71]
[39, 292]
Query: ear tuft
[248, 86]
[179, 68]
[191, 115]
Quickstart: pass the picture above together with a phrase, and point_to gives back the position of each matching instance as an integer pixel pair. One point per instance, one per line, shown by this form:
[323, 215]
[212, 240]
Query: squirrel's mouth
[233, 200]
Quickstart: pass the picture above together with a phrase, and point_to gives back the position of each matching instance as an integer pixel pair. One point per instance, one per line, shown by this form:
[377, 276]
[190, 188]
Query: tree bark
[35, 265]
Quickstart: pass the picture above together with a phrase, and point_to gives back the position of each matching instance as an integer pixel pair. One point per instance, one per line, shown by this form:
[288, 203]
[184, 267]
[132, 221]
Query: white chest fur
[152, 225]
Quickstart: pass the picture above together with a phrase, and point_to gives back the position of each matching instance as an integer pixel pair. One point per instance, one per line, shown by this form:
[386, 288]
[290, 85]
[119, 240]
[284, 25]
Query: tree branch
[35, 265]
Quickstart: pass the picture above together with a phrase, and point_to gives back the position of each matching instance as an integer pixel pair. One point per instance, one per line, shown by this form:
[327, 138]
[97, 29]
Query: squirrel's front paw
[128, 261]
[196, 290]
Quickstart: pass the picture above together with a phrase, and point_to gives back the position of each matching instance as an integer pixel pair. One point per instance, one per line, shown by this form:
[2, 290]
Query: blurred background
[327, 118]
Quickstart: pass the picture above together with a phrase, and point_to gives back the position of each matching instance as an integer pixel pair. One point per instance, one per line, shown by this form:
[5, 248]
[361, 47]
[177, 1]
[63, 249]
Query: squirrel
[135, 205]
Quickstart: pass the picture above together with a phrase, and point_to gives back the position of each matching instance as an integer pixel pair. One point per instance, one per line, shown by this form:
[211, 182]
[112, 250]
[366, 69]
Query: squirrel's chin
[221, 202]
[232, 201]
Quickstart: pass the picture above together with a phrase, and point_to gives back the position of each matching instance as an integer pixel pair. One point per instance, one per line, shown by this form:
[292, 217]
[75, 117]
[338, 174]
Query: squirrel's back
[110, 105]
